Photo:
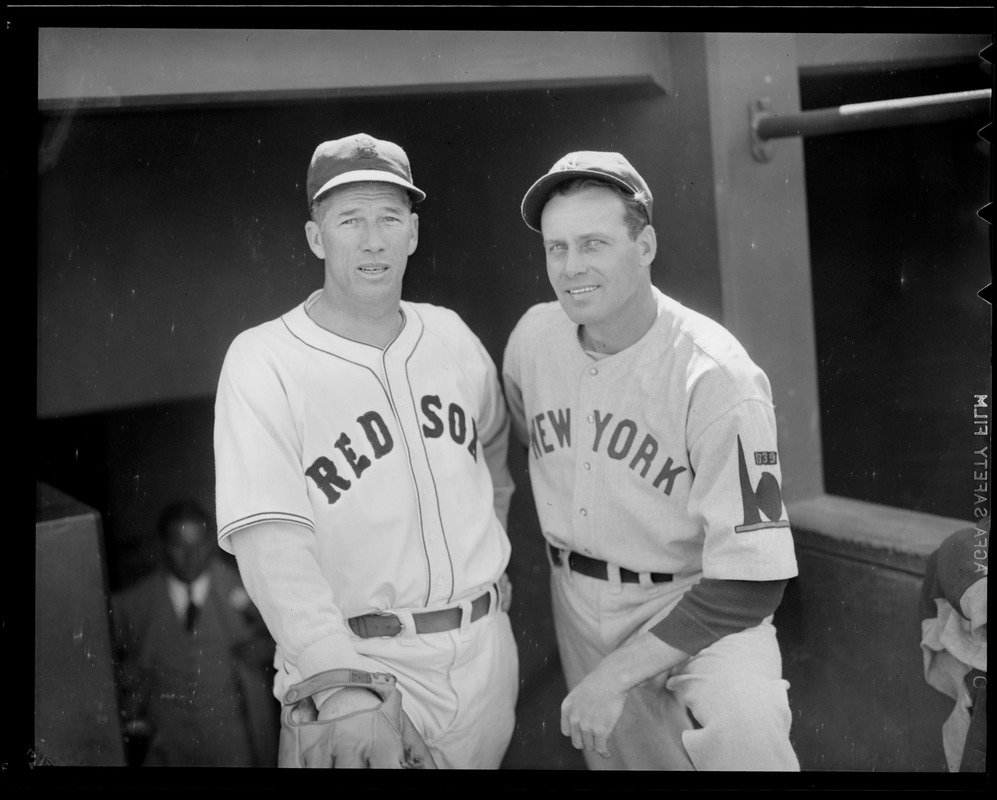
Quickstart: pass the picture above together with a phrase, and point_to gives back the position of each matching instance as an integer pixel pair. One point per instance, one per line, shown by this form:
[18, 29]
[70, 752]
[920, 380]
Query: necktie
[192, 609]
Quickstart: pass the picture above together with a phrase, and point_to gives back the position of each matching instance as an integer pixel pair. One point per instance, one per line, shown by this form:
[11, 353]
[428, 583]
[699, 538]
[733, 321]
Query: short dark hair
[180, 512]
[317, 208]
[634, 212]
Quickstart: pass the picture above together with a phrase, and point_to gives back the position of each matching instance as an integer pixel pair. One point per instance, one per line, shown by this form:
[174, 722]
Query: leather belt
[386, 624]
[594, 568]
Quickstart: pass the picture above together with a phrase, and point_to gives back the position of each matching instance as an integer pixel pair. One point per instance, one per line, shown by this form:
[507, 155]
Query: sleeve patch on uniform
[766, 458]
[763, 500]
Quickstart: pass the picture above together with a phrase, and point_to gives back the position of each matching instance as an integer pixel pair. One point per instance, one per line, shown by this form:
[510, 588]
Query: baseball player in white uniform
[656, 476]
[360, 445]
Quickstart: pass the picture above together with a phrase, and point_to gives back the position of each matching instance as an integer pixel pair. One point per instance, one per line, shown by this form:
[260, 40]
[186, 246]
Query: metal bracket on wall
[758, 109]
[766, 125]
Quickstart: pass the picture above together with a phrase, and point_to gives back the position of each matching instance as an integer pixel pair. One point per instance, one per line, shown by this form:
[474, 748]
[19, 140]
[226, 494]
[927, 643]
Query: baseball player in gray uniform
[360, 445]
[656, 476]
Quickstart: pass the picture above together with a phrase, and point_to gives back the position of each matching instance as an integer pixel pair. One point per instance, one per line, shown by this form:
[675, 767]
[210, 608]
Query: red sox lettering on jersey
[326, 474]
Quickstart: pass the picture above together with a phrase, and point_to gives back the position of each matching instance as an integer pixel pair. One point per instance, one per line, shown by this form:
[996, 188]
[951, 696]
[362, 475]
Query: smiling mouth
[581, 290]
[373, 269]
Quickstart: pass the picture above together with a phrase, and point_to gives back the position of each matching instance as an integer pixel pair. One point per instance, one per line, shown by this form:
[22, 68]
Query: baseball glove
[381, 737]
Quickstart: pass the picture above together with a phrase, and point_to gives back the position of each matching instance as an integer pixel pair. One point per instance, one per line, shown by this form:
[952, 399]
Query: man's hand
[591, 710]
[361, 725]
[346, 701]
[349, 752]
[505, 592]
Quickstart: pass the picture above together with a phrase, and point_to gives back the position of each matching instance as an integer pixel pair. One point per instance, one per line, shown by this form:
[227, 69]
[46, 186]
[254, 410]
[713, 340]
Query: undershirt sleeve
[715, 608]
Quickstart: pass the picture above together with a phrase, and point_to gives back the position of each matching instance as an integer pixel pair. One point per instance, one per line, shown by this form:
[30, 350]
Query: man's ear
[314, 234]
[647, 240]
[414, 239]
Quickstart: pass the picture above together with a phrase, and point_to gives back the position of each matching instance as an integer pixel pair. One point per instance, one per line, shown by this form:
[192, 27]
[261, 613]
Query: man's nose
[574, 264]
[373, 238]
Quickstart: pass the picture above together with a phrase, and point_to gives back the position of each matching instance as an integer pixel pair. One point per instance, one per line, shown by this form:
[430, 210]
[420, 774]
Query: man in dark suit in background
[193, 657]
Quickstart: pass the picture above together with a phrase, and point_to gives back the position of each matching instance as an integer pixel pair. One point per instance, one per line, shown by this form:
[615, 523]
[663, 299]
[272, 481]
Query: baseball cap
[956, 572]
[961, 558]
[357, 159]
[609, 167]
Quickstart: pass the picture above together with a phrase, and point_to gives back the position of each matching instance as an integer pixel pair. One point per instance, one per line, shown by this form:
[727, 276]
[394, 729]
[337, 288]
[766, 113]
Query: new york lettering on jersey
[616, 437]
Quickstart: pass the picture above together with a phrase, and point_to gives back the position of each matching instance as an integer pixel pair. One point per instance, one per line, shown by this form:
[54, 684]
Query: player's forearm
[503, 488]
[715, 608]
[592, 708]
[281, 574]
[496, 455]
[644, 658]
[514, 401]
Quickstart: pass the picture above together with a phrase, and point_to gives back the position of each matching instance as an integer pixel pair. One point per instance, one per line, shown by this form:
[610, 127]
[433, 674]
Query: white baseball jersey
[387, 456]
[659, 458]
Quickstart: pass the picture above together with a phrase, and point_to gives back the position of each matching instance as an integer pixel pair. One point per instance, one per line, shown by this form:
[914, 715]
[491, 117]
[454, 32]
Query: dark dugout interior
[898, 255]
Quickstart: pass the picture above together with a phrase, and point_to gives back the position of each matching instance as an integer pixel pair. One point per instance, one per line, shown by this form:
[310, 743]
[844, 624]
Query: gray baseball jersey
[660, 458]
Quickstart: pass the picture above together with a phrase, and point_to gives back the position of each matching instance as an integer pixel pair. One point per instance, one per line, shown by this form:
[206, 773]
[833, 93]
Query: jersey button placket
[438, 557]
[584, 473]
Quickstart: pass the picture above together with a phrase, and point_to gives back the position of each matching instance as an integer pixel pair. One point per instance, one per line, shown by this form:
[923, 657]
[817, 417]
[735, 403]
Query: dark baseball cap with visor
[605, 166]
[359, 158]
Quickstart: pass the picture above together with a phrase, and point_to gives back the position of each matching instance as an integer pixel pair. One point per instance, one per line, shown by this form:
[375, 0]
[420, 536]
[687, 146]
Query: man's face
[599, 274]
[189, 548]
[365, 236]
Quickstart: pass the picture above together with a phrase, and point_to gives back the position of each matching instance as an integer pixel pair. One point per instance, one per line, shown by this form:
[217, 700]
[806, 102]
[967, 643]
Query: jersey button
[587, 465]
[583, 512]
[593, 371]
[590, 418]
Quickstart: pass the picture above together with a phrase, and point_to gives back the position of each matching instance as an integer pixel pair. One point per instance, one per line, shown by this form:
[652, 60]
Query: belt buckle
[401, 625]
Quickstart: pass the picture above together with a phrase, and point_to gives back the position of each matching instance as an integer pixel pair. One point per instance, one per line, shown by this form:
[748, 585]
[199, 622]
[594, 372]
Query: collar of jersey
[647, 346]
[314, 335]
